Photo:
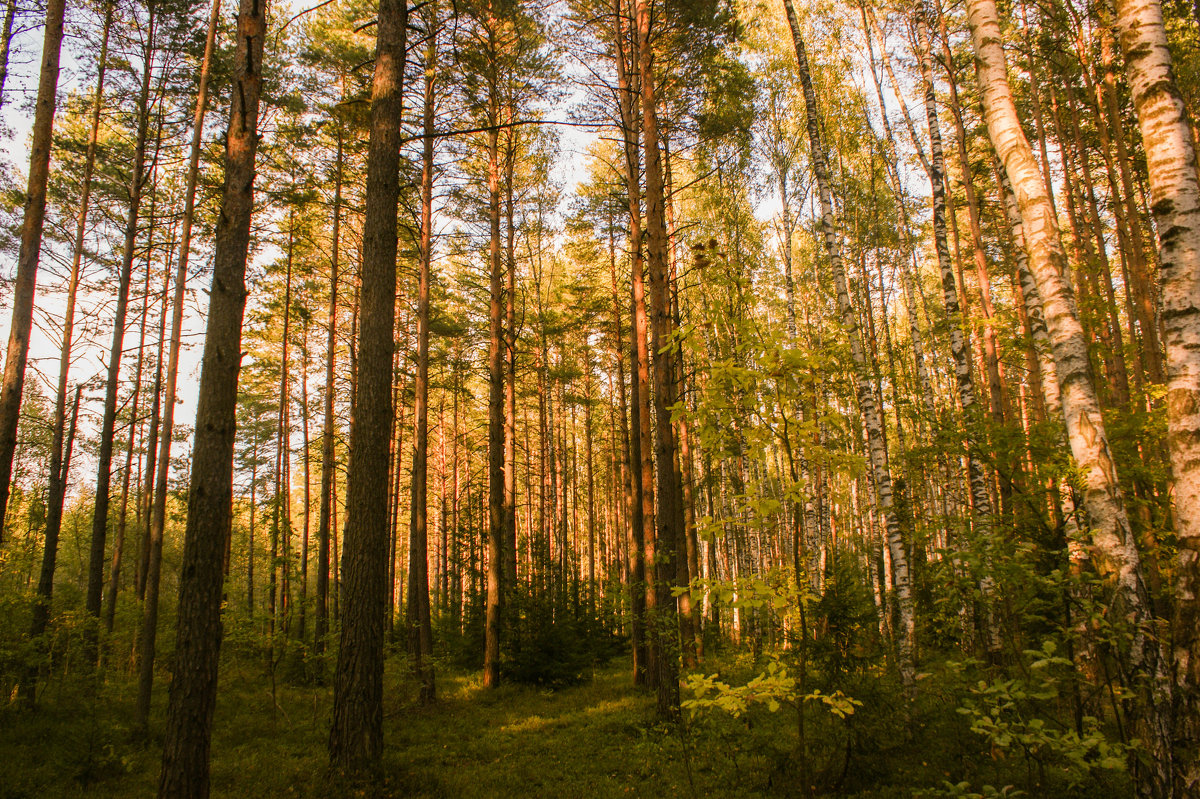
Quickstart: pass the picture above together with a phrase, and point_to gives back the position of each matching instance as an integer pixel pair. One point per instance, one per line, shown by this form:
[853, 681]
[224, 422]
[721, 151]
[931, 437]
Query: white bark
[1175, 202]
[872, 419]
[1113, 547]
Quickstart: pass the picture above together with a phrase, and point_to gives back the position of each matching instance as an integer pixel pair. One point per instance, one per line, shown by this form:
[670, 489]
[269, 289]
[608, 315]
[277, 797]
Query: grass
[599, 739]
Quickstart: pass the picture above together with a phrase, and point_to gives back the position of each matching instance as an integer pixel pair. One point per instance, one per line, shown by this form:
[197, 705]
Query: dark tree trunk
[137, 181]
[325, 511]
[210, 494]
[356, 734]
[420, 630]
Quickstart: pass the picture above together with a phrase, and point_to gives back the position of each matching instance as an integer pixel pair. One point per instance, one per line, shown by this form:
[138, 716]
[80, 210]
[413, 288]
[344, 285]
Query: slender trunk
[872, 419]
[277, 598]
[325, 511]
[420, 634]
[137, 181]
[356, 734]
[981, 503]
[495, 588]
[25, 280]
[114, 574]
[210, 495]
[243, 113]
[509, 559]
[304, 430]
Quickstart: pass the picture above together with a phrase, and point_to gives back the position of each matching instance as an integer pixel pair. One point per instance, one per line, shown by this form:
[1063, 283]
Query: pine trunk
[356, 734]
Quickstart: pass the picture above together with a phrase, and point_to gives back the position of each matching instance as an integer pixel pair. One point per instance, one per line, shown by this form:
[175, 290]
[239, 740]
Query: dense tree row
[863, 338]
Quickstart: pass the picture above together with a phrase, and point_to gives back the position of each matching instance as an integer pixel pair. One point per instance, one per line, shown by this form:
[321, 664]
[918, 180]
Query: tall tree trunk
[1175, 200]
[277, 597]
[509, 559]
[981, 502]
[1114, 549]
[356, 734]
[495, 536]
[114, 573]
[669, 527]
[325, 511]
[137, 181]
[210, 495]
[304, 421]
[639, 396]
[25, 280]
[420, 630]
[239, 115]
[57, 479]
[872, 419]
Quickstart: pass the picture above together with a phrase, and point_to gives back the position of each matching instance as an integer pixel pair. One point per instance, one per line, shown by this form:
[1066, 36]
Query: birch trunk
[872, 419]
[1175, 201]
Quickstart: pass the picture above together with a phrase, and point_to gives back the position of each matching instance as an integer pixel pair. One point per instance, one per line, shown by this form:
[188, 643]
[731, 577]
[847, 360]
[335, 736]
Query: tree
[31, 248]
[210, 499]
[356, 734]
[1175, 200]
[1113, 546]
[872, 419]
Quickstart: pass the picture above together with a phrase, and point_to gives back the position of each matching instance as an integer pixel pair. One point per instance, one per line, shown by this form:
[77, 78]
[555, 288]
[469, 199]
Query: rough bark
[356, 734]
[210, 494]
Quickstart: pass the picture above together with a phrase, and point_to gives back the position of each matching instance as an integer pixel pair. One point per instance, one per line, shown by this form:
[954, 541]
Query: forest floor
[597, 739]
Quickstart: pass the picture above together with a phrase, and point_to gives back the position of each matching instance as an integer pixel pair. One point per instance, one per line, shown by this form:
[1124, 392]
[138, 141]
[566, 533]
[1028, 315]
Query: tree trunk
[239, 115]
[491, 655]
[669, 527]
[25, 280]
[6, 37]
[639, 395]
[1175, 200]
[356, 734]
[1114, 549]
[872, 419]
[210, 495]
[325, 511]
[137, 181]
[420, 631]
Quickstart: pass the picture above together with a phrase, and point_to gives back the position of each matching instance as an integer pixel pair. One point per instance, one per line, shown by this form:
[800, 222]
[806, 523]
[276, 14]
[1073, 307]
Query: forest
[588, 398]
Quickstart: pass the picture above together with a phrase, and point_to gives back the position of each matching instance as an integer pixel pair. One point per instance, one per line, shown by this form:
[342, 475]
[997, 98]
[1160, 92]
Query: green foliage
[1016, 715]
